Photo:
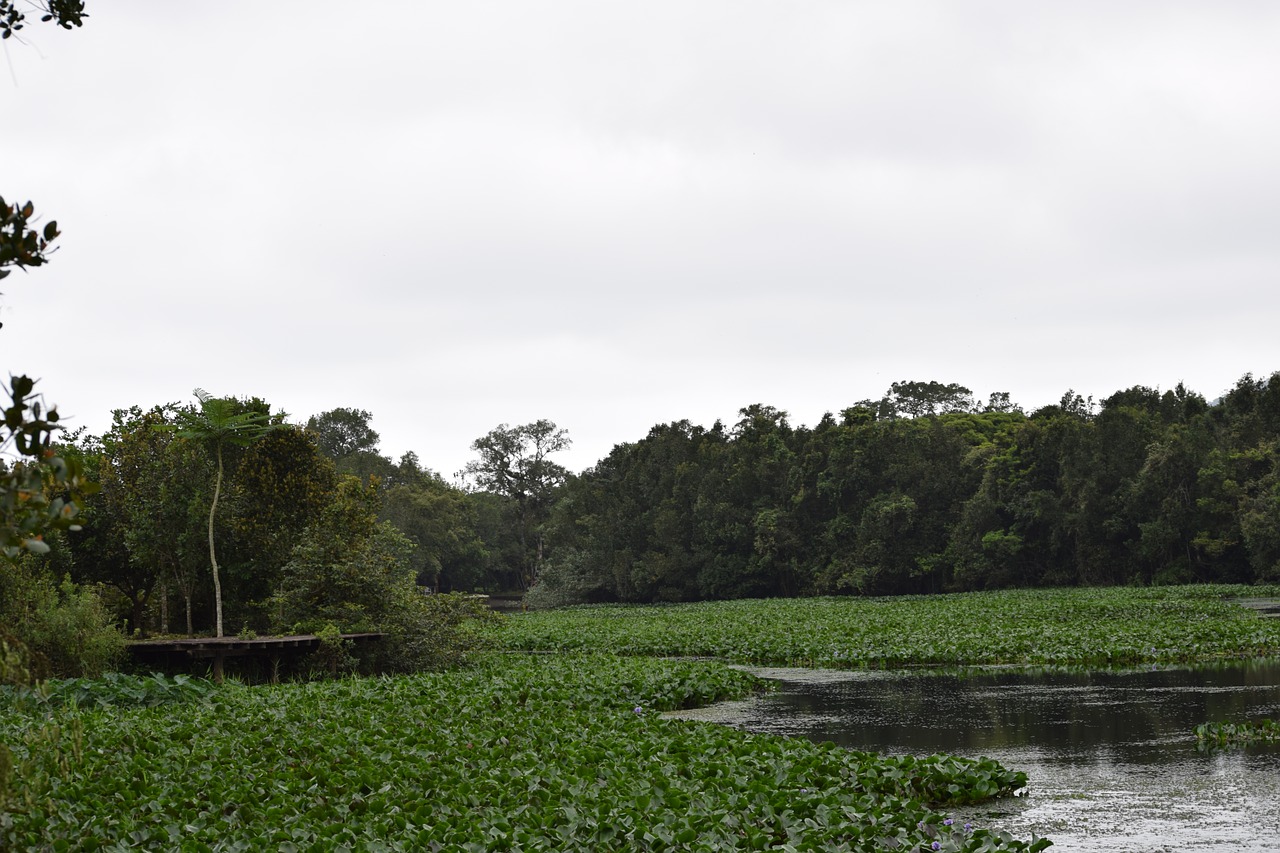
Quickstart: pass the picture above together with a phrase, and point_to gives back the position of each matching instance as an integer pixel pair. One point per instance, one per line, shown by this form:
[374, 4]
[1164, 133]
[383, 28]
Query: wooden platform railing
[166, 652]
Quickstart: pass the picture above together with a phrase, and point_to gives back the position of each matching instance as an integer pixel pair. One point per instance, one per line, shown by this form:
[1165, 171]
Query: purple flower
[948, 822]
[936, 846]
[637, 709]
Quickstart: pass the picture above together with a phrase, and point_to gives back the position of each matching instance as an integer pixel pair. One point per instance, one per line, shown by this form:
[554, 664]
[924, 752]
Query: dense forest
[926, 491]
[921, 491]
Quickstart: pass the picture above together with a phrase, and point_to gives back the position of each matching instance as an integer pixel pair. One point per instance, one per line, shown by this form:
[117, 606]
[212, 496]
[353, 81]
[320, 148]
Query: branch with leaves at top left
[65, 13]
[38, 488]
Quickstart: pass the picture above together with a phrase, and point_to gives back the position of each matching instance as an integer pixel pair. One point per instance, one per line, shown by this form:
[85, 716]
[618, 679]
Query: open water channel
[1111, 756]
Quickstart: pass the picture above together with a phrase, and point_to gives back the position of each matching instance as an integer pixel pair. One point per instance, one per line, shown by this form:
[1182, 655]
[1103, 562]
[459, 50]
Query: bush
[349, 584]
[568, 581]
[65, 628]
[336, 586]
[15, 661]
[433, 632]
[333, 656]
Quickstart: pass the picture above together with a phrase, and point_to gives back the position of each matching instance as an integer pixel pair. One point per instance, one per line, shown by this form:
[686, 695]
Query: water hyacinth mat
[519, 753]
[1112, 627]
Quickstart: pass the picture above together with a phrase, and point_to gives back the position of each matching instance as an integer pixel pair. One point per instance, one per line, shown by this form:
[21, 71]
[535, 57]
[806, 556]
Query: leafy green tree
[1259, 520]
[345, 436]
[345, 567]
[441, 522]
[99, 553]
[630, 528]
[141, 530]
[281, 485]
[515, 463]
[218, 423]
[350, 572]
[999, 401]
[166, 484]
[918, 399]
[745, 543]
[894, 491]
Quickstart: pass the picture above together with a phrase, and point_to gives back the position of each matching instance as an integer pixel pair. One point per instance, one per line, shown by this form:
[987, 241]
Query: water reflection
[1110, 755]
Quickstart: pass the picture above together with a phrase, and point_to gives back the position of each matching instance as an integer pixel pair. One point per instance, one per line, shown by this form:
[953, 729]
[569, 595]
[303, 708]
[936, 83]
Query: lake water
[1111, 758]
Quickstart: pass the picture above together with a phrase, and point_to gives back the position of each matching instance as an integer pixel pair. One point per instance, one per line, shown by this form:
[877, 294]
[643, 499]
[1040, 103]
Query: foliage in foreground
[563, 753]
[1224, 734]
[1095, 627]
[113, 688]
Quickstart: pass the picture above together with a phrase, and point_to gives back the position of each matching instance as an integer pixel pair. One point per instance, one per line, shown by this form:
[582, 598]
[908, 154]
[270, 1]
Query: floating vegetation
[522, 753]
[1113, 627]
[1237, 734]
[112, 688]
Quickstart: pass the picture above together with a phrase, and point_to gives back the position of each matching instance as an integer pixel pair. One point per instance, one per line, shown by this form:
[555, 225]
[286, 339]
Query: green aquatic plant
[1114, 627]
[1224, 734]
[519, 753]
[112, 688]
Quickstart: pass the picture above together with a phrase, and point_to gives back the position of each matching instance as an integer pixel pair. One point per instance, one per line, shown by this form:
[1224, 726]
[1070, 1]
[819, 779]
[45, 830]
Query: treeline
[924, 491]
[222, 513]
[313, 525]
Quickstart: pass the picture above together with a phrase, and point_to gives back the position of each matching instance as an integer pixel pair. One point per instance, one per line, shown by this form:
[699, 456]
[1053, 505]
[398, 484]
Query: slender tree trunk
[526, 570]
[213, 556]
[185, 586]
[138, 605]
[164, 607]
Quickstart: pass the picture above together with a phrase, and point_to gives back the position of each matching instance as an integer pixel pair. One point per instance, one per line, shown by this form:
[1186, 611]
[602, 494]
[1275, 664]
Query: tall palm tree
[216, 424]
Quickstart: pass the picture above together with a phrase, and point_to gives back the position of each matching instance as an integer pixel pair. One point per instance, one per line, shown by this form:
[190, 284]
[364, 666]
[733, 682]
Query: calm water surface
[1111, 758]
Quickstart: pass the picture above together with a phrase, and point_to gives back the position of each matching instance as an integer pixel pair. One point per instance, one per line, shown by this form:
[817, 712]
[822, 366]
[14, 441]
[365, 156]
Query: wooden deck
[166, 653]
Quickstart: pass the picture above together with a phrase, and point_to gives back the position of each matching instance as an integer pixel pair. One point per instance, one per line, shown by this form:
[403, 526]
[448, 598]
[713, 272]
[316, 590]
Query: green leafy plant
[110, 689]
[15, 665]
[518, 753]
[1222, 734]
[333, 656]
[38, 488]
[64, 627]
[434, 632]
[1063, 627]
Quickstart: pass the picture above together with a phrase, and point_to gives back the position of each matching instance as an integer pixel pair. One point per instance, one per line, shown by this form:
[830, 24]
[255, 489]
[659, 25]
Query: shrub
[65, 627]
[333, 656]
[15, 666]
[335, 586]
[433, 632]
[568, 581]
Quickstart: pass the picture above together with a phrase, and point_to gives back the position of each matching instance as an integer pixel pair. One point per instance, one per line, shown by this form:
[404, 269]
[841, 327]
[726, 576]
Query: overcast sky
[611, 215]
